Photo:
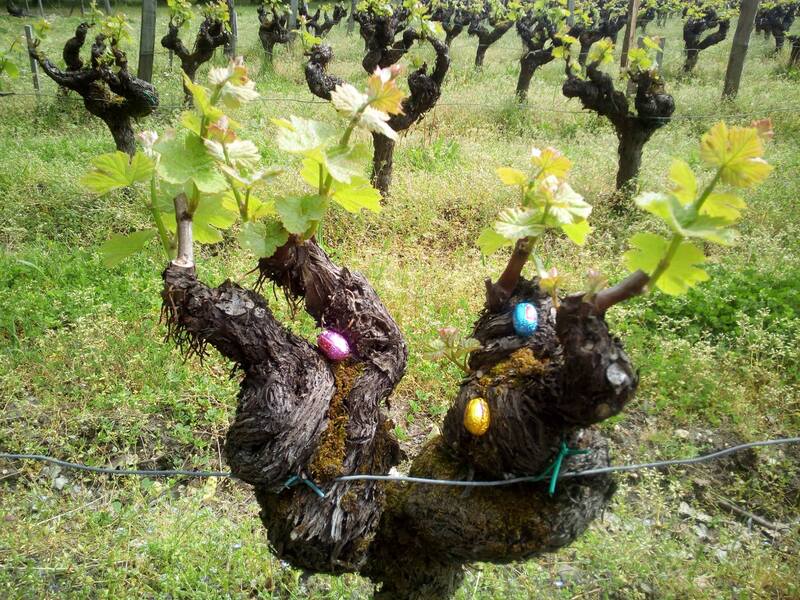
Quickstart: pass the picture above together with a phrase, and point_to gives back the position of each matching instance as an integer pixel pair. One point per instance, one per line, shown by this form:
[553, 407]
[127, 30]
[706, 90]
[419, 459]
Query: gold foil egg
[476, 416]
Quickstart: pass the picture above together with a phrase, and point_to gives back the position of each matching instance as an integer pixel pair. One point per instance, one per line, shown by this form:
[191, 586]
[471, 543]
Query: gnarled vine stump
[300, 415]
[211, 35]
[273, 29]
[487, 32]
[693, 31]
[425, 90]
[109, 91]
[653, 109]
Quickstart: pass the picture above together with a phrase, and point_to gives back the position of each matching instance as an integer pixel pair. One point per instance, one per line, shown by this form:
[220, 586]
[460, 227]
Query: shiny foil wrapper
[525, 319]
[333, 345]
[476, 416]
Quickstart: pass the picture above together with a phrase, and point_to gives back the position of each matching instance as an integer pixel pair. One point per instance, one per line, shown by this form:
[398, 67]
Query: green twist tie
[294, 480]
[555, 467]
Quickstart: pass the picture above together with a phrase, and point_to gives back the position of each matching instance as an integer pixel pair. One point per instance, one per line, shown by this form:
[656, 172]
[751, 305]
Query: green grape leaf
[202, 103]
[683, 182]
[120, 247]
[298, 213]
[683, 220]
[577, 231]
[511, 176]
[723, 205]
[567, 206]
[301, 136]
[116, 170]
[711, 229]
[601, 52]
[344, 164]
[490, 241]
[310, 172]
[185, 159]
[356, 195]
[550, 162]
[647, 251]
[737, 152]
[263, 239]
[191, 121]
[9, 68]
[212, 214]
[517, 223]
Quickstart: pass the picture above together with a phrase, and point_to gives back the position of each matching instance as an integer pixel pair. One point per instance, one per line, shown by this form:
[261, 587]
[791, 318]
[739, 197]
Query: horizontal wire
[419, 480]
[164, 107]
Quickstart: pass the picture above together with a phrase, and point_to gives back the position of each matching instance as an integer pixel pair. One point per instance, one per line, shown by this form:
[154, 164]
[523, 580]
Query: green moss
[330, 453]
[520, 365]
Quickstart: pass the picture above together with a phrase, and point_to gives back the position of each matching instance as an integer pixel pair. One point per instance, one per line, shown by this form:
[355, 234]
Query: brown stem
[498, 293]
[183, 218]
[633, 285]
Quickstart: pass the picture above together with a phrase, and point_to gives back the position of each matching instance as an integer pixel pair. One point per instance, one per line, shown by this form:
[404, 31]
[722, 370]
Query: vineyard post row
[736, 59]
[630, 32]
[147, 40]
[741, 40]
[34, 64]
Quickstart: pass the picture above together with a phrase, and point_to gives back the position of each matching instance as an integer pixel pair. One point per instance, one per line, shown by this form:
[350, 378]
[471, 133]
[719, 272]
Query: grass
[85, 375]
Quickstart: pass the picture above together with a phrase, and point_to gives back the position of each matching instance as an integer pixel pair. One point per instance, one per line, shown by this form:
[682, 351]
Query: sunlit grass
[85, 375]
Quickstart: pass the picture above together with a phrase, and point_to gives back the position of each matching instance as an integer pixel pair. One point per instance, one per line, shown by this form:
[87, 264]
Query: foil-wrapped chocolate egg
[525, 319]
[333, 345]
[476, 416]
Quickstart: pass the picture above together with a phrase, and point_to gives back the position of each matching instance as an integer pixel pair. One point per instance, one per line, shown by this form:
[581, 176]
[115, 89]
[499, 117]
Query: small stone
[616, 375]
[701, 531]
[682, 433]
[59, 482]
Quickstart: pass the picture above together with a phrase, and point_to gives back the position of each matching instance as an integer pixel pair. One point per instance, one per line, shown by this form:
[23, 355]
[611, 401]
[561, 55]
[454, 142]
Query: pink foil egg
[333, 345]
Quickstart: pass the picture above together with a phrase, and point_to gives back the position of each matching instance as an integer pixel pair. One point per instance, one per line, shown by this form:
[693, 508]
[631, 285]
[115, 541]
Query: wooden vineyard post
[293, 16]
[108, 7]
[660, 54]
[83, 8]
[230, 47]
[351, 17]
[571, 9]
[147, 40]
[34, 65]
[630, 31]
[741, 40]
[41, 9]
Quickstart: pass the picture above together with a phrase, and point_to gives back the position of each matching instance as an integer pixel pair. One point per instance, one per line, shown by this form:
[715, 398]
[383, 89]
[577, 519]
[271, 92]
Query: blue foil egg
[525, 319]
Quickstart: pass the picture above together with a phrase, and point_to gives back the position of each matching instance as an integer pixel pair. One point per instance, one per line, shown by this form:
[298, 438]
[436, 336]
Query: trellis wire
[418, 480]
[165, 107]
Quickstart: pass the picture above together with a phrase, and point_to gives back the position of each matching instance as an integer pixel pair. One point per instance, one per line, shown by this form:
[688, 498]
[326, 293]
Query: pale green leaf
[356, 195]
[120, 247]
[213, 214]
[299, 213]
[647, 251]
[263, 239]
[11, 69]
[683, 221]
[737, 152]
[185, 159]
[115, 170]
[299, 136]
[683, 182]
[577, 231]
[517, 223]
[511, 176]
[310, 172]
[723, 205]
[490, 241]
[344, 164]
